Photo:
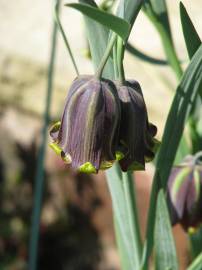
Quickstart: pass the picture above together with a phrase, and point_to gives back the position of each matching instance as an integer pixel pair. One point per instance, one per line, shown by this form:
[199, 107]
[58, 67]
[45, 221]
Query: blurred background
[76, 230]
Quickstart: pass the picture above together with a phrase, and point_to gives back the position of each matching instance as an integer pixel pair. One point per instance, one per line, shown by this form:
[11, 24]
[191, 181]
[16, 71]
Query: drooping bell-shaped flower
[86, 136]
[185, 193]
[136, 136]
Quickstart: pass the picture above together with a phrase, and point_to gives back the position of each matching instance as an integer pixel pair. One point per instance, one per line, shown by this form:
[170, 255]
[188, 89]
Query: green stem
[167, 43]
[106, 55]
[120, 56]
[128, 186]
[170, 51]
[39, 179]
[116, 73]
[57, 18]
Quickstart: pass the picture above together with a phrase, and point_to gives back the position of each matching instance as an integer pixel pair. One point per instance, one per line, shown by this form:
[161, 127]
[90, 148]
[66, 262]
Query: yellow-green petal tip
[87, 168]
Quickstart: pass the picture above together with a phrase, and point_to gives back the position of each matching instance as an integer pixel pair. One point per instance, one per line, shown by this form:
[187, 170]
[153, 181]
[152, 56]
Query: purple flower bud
[86, 137]
[185, 193]
[136, 133]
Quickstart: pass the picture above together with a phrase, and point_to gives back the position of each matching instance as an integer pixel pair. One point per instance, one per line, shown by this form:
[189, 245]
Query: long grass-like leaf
[192, 42]
[116, 24]
[165, 251]
[186, 92]
[191, 37]
[197, 263]
[114, 181]
[180, 109]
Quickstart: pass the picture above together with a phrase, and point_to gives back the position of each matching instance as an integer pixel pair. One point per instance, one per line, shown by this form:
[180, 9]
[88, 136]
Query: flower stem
[115, 61]
[39, 179]
[57, 19]
[167, 43]
[106, 55]
[170, 51]
[120, 56]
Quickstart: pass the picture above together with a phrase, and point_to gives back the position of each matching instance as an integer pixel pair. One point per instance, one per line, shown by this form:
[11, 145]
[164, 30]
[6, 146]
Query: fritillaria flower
[136, 135]
[185, 192]
[86, 135]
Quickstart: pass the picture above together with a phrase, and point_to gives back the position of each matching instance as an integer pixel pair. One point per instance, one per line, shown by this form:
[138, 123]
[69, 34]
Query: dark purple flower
[136, 136]
[86, 136]
[185, 193]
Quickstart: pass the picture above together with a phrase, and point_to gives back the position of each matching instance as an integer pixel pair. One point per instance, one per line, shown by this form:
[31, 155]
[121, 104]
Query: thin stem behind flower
[57, 19]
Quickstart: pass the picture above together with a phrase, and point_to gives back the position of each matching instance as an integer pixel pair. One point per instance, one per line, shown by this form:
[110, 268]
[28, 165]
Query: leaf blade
[116, 24]
[165, 251]
[119, 205]
[180, 109]
[191, 82]
[196, 264]
[192, 39]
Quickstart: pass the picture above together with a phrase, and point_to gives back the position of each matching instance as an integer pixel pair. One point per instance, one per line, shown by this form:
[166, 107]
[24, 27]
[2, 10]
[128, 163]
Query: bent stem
[57, 19]
[106, 55]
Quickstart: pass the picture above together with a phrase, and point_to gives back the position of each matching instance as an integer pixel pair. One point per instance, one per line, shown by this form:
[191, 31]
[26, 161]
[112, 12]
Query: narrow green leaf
[116, 24]
[191, 37]
[158, 10]
[165, 251]
[197, 263]
[186, 92]
[193, 42]
[184, 149]
[125, 262]
[114, 181]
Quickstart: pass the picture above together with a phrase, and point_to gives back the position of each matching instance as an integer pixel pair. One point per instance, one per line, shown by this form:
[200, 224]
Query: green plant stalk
[130, 197]
[120, 57]
[57, 18]
[167, 43]
[170, 51]
[106, 55]
[39, 179]
[116, 72]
